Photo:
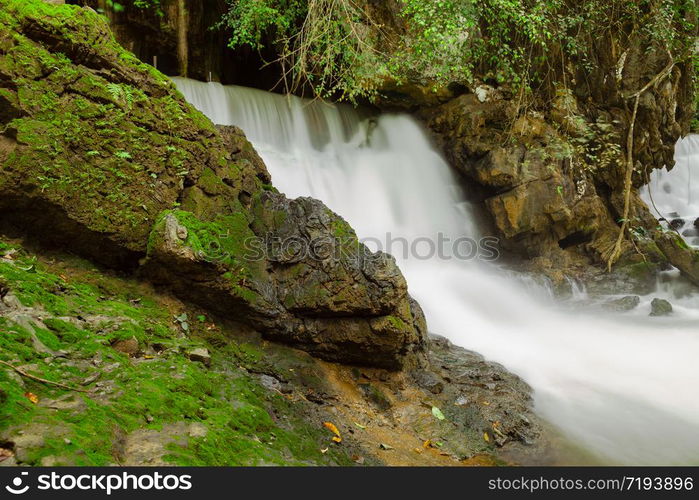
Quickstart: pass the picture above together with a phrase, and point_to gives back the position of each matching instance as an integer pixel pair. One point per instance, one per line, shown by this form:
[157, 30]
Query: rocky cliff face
[100, 154]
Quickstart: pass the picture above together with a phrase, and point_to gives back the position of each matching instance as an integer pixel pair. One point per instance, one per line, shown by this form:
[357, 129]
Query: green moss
[397, 323]
[134, 137]
[246, 424]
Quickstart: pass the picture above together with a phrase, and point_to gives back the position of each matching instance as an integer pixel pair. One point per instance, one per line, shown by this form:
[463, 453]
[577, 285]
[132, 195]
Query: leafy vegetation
[341, 48]
[118, 6]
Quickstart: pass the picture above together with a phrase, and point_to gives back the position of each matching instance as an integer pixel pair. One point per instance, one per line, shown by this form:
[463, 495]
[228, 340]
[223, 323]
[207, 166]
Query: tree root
[613, 254]
[39, 379]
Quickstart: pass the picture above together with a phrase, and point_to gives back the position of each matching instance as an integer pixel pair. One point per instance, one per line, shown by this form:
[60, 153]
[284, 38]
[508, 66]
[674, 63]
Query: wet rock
[676, 223]
[633, 279]
[241, 150]
[428, 380]
[326, 293]
[200, 355]
[660, 307]
[376, 396]
[479, 393]
[683, 257]
[623, 304]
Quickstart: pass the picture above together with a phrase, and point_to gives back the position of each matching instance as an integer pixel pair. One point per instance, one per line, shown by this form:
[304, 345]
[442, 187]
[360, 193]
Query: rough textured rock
[623, 304]
[660, 307]
[101, 154]
[680, 254]
[78, 99]
[297, 271]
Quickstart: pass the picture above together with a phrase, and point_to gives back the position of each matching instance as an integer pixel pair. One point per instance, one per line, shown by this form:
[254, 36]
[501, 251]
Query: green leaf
[438, 413]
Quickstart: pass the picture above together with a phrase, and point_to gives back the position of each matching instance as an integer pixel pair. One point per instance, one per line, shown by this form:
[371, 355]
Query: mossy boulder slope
[101, 155]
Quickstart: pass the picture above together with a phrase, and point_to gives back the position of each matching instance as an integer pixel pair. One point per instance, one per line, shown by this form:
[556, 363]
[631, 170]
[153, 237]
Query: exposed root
[612, 255]
[39, 379]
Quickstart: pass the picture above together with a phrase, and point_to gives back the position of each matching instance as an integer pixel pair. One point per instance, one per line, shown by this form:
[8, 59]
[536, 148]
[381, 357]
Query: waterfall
[674, 194]
[621, 387]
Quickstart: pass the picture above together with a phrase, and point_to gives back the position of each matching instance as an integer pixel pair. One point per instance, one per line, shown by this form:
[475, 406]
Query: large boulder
[100, 154]
[295, 270]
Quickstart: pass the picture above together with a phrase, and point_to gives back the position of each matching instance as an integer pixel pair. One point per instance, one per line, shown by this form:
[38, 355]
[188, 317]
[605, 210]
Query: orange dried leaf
[32, 397]
[337, 439]
[332, 428]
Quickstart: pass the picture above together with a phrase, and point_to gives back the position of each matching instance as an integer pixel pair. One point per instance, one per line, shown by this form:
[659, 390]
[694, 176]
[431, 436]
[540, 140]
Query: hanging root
[614, 252]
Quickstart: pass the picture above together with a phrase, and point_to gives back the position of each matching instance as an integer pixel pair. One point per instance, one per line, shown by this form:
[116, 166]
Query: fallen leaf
[358, 460]
[32, 397]
[384, 446]
[427, 444]
[438, 413]
[324, 450]
[360, 425]
[333, 428]
[486, 437]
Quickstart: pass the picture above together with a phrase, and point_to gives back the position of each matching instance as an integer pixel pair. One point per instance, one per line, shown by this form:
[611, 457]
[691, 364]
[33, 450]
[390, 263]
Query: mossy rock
[95, 144]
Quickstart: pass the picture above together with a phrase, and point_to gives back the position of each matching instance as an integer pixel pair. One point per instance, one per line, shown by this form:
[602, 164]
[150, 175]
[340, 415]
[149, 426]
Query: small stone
[461, 401]
[128, 346]
[90, 379]
[270, 383]
[67, 441]
[149, 418]
[623, 304]
[428, 380]
[660, 307]
[201, 355]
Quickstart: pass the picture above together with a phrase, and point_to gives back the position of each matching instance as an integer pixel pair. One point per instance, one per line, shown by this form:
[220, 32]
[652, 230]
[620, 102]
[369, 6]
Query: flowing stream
[620, 388]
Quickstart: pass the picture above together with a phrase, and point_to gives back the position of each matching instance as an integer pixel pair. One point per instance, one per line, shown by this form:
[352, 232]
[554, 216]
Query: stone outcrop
[100, 153]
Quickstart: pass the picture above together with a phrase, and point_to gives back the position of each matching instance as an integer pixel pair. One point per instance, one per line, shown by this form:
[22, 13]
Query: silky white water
[624, 388]
[674, 195]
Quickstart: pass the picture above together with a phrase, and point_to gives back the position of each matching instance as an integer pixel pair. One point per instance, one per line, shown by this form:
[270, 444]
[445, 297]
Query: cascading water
[674, 195]
[621, 387]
